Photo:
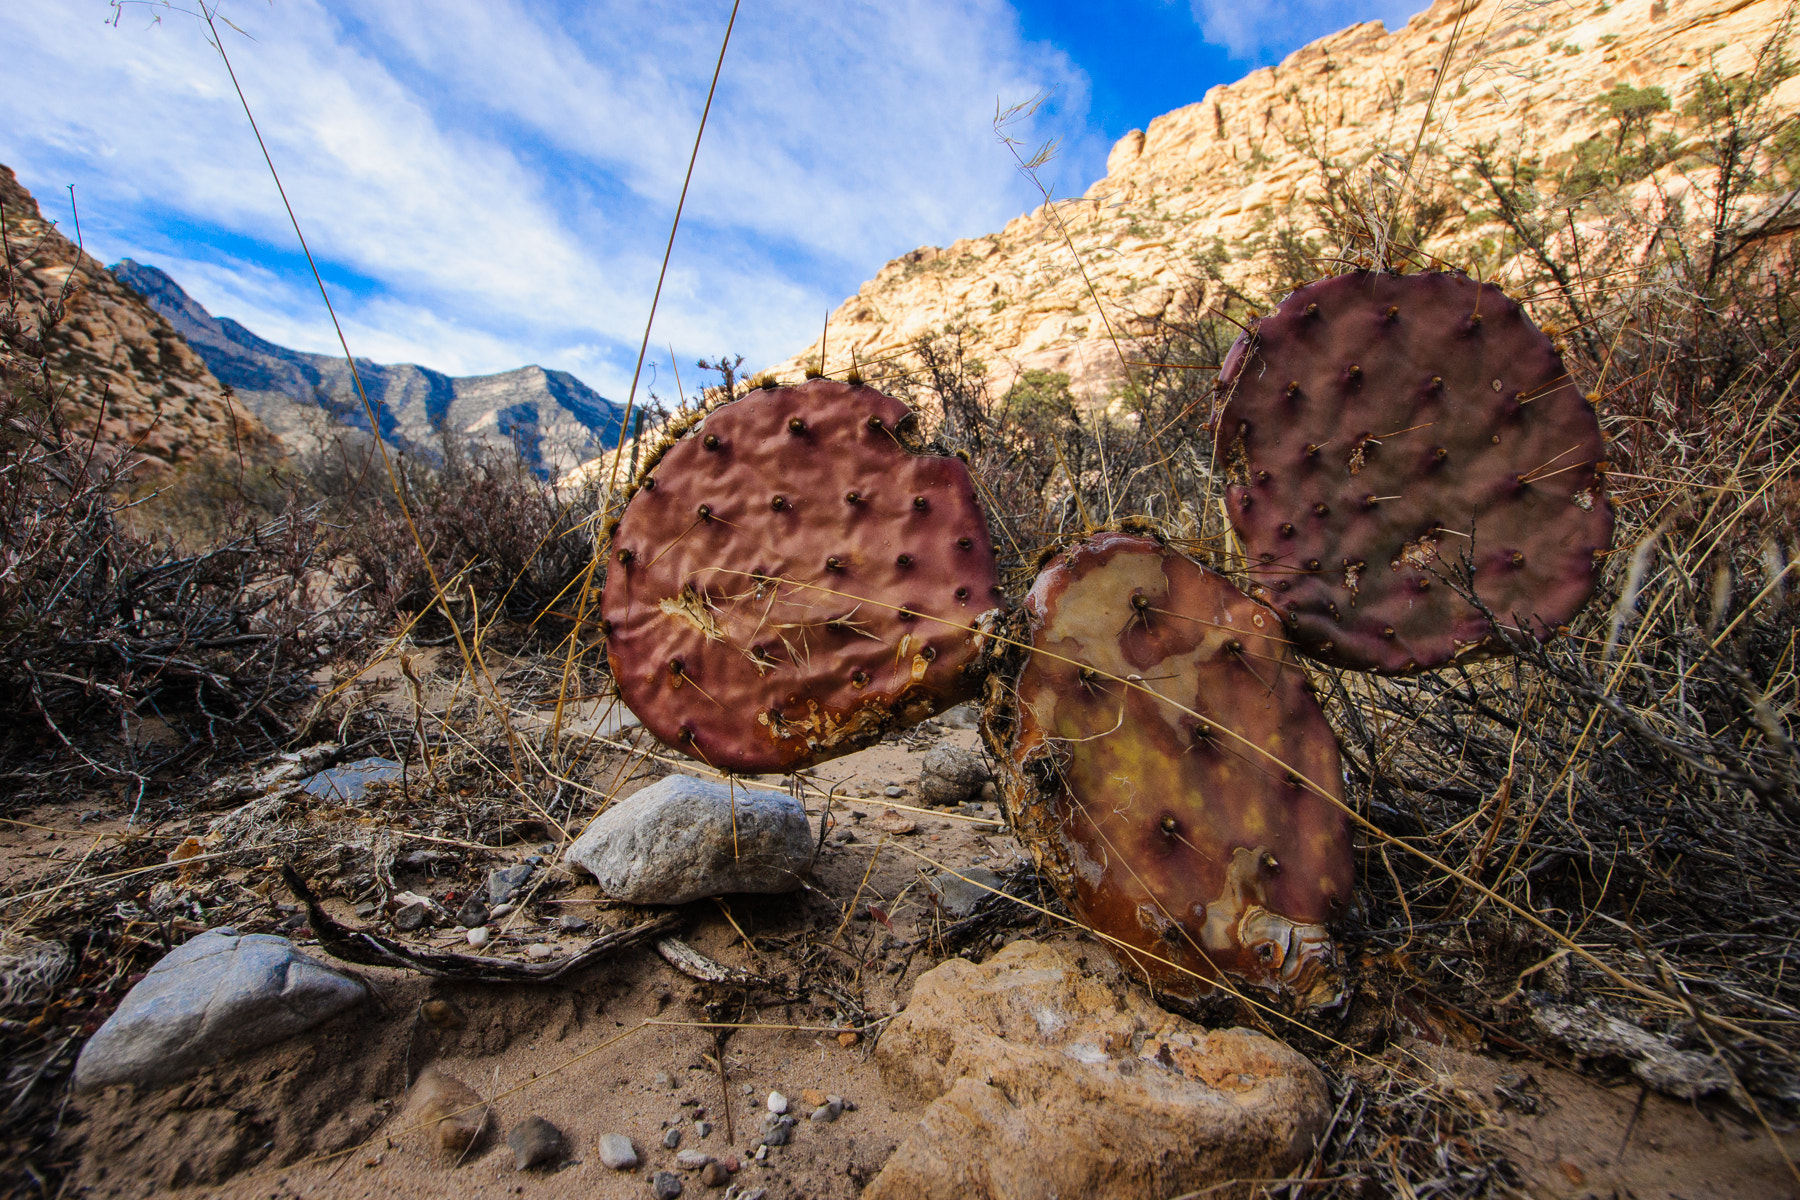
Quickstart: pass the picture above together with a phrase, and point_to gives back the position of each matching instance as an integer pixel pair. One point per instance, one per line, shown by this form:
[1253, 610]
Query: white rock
[673, 842]
[617, 1152]
[778, 1103]
[220, 995]
[478, 936]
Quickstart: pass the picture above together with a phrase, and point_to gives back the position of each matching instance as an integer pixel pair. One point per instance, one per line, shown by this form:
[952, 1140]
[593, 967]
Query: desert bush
[490, 526]
[102, 629]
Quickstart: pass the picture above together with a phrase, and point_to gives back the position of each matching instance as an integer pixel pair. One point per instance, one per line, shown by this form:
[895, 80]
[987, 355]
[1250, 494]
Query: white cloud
[489, 183]
[1267, 32]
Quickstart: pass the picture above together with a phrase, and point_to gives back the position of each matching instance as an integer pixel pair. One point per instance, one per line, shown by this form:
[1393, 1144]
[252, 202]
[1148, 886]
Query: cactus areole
[1396, 439]
[792, 578]
[1174, 777]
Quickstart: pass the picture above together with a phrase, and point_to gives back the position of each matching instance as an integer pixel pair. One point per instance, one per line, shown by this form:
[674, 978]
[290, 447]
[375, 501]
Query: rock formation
[126, 375]
[1224, 179]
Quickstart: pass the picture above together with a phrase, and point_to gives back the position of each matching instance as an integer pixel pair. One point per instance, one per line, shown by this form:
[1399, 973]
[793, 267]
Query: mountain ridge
[553, 418]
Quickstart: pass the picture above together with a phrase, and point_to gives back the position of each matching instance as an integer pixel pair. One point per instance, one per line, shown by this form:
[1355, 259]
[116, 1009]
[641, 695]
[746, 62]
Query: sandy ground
[631, 1046]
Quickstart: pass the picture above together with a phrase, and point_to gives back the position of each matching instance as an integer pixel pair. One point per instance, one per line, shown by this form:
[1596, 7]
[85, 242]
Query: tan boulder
[1048, 1074]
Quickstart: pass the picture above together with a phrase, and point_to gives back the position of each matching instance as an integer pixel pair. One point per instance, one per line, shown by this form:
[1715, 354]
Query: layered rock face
[1220, 179]
[554, 419]
[125, 371]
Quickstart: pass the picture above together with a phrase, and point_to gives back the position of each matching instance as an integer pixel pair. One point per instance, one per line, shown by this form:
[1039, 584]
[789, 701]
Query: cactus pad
[1172, 774]
[1389, 432]
[792, 578]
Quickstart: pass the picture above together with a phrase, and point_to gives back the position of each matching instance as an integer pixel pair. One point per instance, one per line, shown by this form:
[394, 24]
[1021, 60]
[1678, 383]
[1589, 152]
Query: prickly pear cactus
[792, 578]
[1154, 766]
[1386, 430]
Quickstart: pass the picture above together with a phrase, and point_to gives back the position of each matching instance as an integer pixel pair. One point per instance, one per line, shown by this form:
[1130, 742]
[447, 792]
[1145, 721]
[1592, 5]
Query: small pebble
[702, 1128]
[849, 1038]
[535, 1142]
[777, 1136]
[748, 1090]
[501, 910]
[472, 914]
[411, 918]
[571, 923]
[762, 1154]
[841, 1104]
[812, 1097]
[672, 1138]
[753, 1194]
[478, 937]
[714, 1175]
[893, 791]
[664, 1079]
[538, 951]
[665, 1186]
[692, 1160]
[441, 1014]
[778, 1103]
[617, 1152]
[824, 1114]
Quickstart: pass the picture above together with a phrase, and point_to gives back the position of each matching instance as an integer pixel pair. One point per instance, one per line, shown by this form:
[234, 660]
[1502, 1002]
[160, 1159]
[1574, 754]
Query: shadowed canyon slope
[1225, 181]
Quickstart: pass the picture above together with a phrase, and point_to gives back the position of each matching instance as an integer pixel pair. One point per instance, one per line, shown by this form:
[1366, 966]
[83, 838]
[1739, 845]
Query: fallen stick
[372, 949]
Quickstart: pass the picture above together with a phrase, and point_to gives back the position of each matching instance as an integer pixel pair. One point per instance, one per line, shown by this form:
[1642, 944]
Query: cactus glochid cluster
[1173, 776]
[792, 578]
[1395, 433]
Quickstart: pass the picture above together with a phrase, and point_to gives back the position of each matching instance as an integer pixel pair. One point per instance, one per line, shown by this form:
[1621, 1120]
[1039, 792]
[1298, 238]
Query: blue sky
[489, 183]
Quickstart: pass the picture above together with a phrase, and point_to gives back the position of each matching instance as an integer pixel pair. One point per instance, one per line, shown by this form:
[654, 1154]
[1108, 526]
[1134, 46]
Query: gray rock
[950, 775]
[825, 1114]
[958, 894]
[535, 1142]
[665, 1186]
[348, 782]
[571, 923]
[617, 1152]
[777, 1136]
[692, 1160]
[893, 791]
[411, 918]
[703, 1129]
[473, 914]
[220, 995]
[963, 716]
[672, 1138]
[672, 842]
[504, 882]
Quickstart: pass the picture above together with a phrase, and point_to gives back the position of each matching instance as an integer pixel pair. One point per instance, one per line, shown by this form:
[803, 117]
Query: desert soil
[628, 1046]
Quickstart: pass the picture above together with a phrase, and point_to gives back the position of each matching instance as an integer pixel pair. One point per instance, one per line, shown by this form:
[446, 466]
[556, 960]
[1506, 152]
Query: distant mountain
[555, 420]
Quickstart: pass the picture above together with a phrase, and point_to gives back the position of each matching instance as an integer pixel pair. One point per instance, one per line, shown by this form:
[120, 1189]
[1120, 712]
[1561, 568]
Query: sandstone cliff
[1221, 179]
[124, 370]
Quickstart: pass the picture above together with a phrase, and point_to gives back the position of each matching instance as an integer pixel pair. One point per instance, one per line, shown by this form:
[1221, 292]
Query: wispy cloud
[1266, 32]
[489, 183]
